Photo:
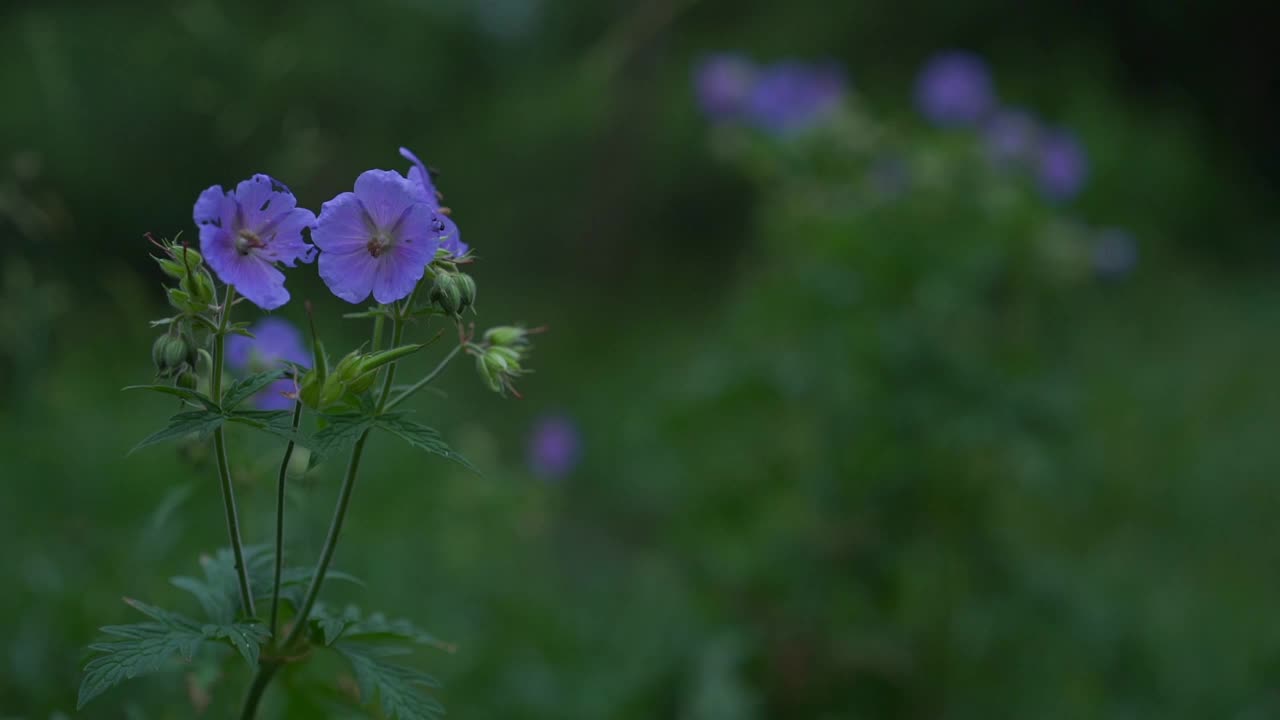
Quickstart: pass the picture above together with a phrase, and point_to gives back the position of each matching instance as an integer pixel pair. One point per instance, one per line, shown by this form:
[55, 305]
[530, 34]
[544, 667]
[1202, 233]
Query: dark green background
[880, 467]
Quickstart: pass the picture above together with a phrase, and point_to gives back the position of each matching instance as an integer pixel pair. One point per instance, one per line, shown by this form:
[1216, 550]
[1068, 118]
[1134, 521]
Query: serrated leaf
[246, 637]
[422, 437]
[162, 616]
[398, 689]
[338, 432]
[193, 422]
[352, 624]
[219, 592]
[246, 388]
[140, 649]
[213, 600]
[191, 396]
[147, 648]
[276, 422]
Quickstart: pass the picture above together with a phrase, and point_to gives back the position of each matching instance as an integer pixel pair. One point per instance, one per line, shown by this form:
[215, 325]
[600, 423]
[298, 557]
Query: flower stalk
[220, 451]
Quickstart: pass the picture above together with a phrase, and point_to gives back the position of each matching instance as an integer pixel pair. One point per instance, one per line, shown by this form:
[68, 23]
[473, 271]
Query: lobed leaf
[191, 396]
[338, 432]
[352, 624]
[398, 689]
[193, 422]
[422, 437]
[147, 648]
[247, 387]
[246, 637]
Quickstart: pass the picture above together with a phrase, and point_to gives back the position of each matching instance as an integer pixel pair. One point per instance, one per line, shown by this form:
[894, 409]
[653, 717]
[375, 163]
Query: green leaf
[397, 688]
[246, 637]
[191, 396]
[276, 422]
[421, 437]
[248, 387]
[353, 625]
[219, 592]
[193, 422]
[338, 432]
[145, 648]
[141, 649]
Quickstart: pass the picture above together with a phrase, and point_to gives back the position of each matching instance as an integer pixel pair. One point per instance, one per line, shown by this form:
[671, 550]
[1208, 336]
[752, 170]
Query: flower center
[379, 243]
[247, 240]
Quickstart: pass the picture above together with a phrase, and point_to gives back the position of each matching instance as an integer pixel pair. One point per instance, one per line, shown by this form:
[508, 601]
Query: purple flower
[791, 96]
[450, 237]
[723, 84]
[275, 341]
[378, 239]
[1114, 254]
[243, 234]
[1061, 166]
[554, 447]
[1010, 135]
[954, 89]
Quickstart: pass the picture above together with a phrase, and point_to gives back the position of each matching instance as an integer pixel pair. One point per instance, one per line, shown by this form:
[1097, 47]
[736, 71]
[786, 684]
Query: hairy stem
[220, 451]
[280, 488]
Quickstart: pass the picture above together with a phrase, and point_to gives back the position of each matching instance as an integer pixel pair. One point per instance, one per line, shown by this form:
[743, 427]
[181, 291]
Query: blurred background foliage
[853, 444]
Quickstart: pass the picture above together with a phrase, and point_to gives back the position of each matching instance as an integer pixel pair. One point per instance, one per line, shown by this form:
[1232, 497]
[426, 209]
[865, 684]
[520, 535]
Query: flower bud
[507, 336]
[173, 354]
[187, 380]
[487, 375]
[467, 288]
[446, 293]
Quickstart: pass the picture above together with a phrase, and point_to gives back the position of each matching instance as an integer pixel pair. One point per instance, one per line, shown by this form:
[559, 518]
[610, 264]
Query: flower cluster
[954, 89]
[786, 97]
[388, 237]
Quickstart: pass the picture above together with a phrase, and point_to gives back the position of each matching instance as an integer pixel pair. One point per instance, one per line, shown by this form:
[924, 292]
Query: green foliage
[421, 437]
[246, 388]
[191, 422]
[170, 639]
[397, 689]
[352, 624]
[192, 396]
[337, 432]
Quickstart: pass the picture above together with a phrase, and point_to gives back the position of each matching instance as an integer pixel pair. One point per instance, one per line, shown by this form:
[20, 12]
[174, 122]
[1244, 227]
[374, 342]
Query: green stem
[330, 543]
[224, 467]
[280, 488]
[265, 672]
[261, 679]
[344, 495]
[424, 381]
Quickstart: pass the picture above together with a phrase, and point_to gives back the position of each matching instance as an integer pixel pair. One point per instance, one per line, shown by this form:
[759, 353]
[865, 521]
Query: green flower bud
[446, 293]
[362, 382]
[467, 288]
[309, 389]
[333, 391]
[172, 354]
[200, 288]
[489, 378]
[506, 336]
[187, 380]
[348, 367]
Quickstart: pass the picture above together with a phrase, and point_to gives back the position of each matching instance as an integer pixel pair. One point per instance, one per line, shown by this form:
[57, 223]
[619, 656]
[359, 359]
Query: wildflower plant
[390, 238]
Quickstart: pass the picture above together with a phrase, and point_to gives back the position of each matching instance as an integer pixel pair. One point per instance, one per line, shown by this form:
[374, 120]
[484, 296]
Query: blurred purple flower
[450, 237]
[723, 84]
[1114, 254]
[954, 89]
[790, 95]
[1061, 165]
[378, 239]
[1010, 135]
[555, 446]
[245, 232]
[275, 341]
